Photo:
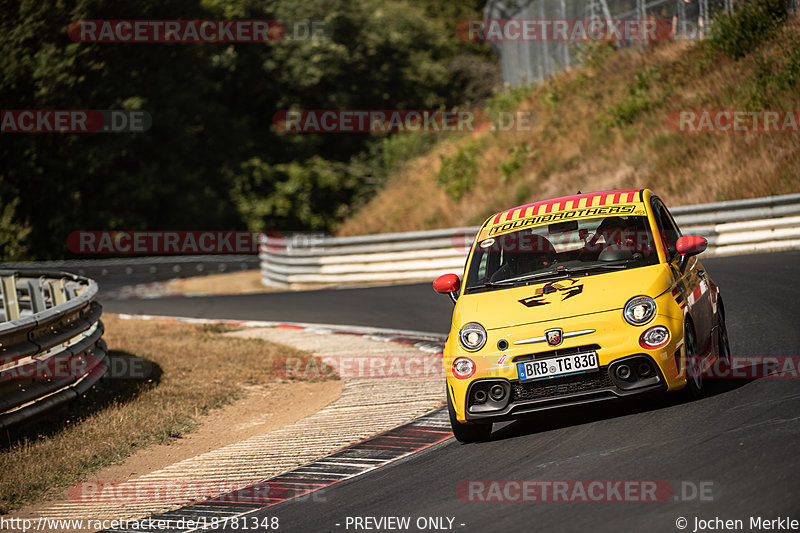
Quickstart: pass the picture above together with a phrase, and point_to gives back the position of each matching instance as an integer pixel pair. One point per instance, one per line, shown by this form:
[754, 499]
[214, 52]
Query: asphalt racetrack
[733, 454]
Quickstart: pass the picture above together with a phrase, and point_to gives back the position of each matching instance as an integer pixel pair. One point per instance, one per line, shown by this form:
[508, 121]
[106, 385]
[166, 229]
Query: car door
[690, 277]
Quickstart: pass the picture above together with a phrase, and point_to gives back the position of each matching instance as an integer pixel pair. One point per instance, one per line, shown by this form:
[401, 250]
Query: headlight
[472, 336]
[463, 367]
[655, 337]
[639, 310]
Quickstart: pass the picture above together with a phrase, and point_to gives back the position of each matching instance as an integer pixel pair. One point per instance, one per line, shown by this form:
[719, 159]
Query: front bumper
[578, 389]
[613, 341]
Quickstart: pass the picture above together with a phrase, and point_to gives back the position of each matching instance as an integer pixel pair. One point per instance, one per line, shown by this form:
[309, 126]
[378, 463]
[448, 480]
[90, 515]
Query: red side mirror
[691, 245]
[447, 284]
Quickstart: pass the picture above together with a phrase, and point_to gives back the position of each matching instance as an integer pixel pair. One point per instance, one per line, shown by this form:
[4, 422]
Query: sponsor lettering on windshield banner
[522, 241]
[588, 212]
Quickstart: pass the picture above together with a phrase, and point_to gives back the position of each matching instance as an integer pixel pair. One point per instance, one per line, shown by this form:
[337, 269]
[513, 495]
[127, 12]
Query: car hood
[561, 298]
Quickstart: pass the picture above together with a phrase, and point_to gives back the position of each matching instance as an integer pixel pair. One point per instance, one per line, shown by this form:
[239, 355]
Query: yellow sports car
[576, 300]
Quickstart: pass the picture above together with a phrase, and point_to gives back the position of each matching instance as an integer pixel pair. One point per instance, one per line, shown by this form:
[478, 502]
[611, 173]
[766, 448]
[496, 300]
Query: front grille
[558, 352]
[564, 386]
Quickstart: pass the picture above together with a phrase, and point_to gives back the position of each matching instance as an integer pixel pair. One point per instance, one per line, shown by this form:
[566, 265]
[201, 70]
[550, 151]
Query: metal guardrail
[51, 346]
[737, 210]
[123, 271]
[741, 226]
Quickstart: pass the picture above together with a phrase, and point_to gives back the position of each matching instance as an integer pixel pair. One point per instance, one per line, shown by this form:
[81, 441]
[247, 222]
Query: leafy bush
[594, 55]
[518, 155]
[629, 109]
[402, 147]
[739, 33]
[550, 98]
[292, 195]
[12, 234]
[638, 100]
[508, 98]
[774, 77]
[457, 173]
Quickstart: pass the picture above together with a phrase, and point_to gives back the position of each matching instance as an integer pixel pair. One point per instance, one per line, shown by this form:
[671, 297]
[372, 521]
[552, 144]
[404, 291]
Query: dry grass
[248, 281]
[194, 369]
[576, 143]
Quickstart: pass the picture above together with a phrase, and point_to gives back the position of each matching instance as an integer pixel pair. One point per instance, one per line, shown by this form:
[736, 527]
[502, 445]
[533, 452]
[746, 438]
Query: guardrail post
[8, 284]
[58, 291]
[72, 291]
[37, 300]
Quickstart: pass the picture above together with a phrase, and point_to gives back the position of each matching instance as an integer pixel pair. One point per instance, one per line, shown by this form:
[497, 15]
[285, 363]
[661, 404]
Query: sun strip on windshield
[635, 209]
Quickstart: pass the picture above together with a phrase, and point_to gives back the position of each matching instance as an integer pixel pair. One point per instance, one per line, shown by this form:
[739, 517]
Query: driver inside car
[612, 238]
[615, 232]
[524, 257]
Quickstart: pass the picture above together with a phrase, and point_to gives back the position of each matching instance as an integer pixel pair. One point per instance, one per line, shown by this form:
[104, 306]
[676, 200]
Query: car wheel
[694, 374]
[466, 433]
[723, 345]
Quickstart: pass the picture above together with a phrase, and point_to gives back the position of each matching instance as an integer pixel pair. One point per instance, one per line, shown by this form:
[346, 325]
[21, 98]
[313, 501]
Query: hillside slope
[603, 126]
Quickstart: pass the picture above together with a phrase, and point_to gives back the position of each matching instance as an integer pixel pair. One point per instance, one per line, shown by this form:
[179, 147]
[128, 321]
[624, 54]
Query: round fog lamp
[655, 337]
[463, 367]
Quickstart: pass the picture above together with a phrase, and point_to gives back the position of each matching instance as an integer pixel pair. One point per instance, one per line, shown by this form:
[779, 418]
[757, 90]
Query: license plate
[557, 366]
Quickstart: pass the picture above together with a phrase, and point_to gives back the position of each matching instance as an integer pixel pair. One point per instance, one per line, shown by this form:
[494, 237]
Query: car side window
[667, 228]
[482, 266]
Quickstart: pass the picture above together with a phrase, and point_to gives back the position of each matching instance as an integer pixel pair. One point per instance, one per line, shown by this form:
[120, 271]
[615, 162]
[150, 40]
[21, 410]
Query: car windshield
[573, 248]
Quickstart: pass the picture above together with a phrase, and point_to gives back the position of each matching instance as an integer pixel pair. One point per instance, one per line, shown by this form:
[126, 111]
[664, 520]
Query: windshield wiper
[558, 272]
[487, 285]
[513, 281]
[532, 276]
[562, 270]
[597, 266]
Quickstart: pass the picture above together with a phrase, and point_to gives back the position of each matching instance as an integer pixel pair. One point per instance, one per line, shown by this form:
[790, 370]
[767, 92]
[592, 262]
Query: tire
[723, 344]
[694, 376]
[466, 433]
